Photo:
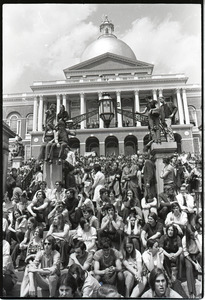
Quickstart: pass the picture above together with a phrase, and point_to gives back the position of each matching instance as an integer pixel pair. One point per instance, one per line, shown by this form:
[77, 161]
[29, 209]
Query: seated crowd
[103, 231]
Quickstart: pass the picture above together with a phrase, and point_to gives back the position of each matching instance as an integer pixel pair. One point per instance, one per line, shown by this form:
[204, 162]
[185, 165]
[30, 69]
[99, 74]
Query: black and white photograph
[102, 150]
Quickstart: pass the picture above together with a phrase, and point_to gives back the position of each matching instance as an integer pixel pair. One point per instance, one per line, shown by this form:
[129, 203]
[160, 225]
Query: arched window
[111, 146]
[178, 140]
[92, 144]
[29, 123]
[15, 123]
[130, 144]
[192, 115]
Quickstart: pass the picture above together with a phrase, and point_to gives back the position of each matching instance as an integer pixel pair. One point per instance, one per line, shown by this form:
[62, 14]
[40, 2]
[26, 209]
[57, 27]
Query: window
[15, 123]
[29, 123]
[27, 152]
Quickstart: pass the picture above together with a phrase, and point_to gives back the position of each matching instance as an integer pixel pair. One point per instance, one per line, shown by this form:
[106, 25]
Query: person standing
[153, 119]
[149, 176]
[99, 182]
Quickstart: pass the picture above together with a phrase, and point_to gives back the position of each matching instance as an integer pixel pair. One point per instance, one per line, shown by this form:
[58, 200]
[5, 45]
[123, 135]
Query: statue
[50, 115]
[19, 147]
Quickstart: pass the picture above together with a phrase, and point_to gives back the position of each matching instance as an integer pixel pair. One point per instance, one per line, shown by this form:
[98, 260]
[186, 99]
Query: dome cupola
[107, 42]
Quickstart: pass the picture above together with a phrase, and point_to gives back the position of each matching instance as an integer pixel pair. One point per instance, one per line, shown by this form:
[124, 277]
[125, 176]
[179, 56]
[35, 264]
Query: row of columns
[40, 106]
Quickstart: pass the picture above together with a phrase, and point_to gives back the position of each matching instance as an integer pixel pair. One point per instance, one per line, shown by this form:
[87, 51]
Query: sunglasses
[47, 243]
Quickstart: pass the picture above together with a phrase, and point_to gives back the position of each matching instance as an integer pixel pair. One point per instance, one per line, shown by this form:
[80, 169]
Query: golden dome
[107, 42]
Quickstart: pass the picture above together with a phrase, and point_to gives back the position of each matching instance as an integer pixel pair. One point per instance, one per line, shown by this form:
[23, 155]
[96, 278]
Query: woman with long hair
[87, 234]
[133, 227]
[8, 206]
[17, 228]
[193, 259]
[129, 202]
[35, 245]
[67, 286]
[198, 230]
[88, 214]
[171, 244]
[21, 248]
[86, 283]
[149, 204]
[132, 261]
[60, 231]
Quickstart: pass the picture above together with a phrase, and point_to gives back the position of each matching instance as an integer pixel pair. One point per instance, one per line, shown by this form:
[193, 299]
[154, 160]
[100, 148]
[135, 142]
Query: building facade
[107, 65]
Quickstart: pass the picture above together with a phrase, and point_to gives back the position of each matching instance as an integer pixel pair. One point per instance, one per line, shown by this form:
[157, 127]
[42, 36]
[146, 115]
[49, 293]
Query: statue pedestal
[16, 163]
[52, 173]
[160, 151]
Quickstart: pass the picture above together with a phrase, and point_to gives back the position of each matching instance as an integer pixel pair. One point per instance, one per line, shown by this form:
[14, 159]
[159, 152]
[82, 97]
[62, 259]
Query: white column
[186, 110]
[160, 92]
[44, 110]
[137, 104]
[68, 106]
[154, 94]
[64, 101]
[35, 113]
[82, 109]
[40, 113]
[160, 95]
[101, 123]
[180, 107]
[58, 103]
[119, 116]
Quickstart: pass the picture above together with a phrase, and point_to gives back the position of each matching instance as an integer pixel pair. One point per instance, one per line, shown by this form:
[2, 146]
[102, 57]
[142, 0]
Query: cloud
[42, 40]
[166, 46]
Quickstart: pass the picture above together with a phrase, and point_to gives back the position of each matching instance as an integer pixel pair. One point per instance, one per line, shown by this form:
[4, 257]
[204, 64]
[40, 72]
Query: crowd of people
[104, 230]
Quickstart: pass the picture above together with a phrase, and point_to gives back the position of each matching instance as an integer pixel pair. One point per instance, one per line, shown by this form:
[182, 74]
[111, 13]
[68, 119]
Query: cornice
[113, 70]
[113, 82]
[101, 57]
[8, 131]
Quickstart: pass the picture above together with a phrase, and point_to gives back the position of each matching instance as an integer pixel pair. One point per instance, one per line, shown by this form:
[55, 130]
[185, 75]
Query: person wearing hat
[61, 141]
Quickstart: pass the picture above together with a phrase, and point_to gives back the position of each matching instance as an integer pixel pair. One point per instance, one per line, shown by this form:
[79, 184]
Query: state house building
[107, 65]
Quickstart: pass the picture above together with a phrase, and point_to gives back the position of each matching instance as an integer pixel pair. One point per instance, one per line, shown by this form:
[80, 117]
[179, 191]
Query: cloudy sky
[40, 40]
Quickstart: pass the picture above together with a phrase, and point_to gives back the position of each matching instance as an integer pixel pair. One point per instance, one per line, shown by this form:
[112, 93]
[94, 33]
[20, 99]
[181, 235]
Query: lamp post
[106, 109]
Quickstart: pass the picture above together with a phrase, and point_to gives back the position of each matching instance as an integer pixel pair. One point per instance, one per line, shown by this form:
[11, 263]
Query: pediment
[108, 61]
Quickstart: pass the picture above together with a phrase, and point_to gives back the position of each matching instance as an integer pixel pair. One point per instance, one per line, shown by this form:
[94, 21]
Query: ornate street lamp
[106, 109]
